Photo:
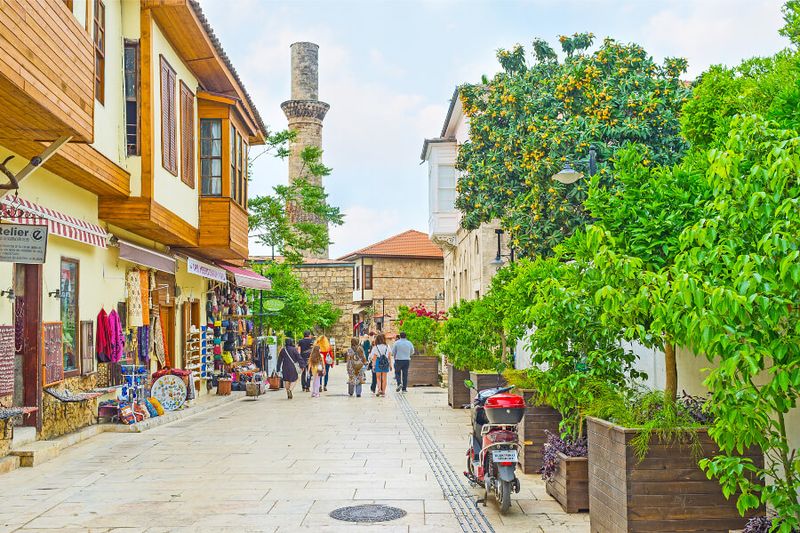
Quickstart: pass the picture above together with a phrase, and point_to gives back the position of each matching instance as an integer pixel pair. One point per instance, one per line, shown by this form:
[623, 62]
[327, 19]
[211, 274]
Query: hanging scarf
[144, 280]
[157, 337]
[134, 288]
[102, 346]
[143, 338]
[117, 338]
[167, 359]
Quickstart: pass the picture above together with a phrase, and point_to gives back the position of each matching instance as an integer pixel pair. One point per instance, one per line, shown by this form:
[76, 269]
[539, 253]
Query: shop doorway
[27, 341]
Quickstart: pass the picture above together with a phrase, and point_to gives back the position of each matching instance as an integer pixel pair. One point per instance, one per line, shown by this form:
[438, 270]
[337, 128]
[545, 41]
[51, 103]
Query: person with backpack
[356, 365]
[367, 345]
[288, 364]
[381, 357]
[306, 343]
[326, 350]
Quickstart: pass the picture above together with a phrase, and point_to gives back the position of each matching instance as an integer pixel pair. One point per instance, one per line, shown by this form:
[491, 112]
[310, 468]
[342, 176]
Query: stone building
[405, 269]
[330, 281]
[471, 257]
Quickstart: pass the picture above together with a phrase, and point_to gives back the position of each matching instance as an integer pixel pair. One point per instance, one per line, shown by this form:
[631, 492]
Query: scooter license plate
[504, 456]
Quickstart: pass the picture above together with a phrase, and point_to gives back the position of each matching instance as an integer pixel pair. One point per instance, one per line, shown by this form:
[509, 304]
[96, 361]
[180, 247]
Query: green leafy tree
[301, 310]
[270, 216]
[531, 119]
[734, 297]
[634, 242]
[576, 355]
[768, 86]
[470, 338]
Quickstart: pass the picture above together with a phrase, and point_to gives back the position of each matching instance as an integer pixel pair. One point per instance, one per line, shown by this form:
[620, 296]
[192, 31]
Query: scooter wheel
[504, 496]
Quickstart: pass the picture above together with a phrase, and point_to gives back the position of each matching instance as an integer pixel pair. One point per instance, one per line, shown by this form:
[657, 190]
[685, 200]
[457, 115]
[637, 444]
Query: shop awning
[199, 268]
[248, 279]
[57, 223]
[145, 257]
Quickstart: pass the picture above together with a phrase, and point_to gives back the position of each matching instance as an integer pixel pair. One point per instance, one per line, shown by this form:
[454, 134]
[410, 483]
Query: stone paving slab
[270, 465]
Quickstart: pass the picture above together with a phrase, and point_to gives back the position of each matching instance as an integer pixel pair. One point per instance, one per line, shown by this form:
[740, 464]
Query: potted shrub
[644, 452]
[457, 392]
[582, 356]
[422, 327]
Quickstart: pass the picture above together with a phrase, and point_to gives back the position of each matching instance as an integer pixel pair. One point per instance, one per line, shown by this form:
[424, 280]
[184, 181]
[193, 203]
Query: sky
[389, 67]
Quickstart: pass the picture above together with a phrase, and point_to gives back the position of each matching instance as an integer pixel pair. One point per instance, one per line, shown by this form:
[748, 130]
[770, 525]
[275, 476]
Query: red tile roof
[411, 244]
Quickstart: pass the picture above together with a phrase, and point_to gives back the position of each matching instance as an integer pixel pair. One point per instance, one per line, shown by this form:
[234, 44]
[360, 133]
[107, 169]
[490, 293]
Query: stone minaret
[305, 113]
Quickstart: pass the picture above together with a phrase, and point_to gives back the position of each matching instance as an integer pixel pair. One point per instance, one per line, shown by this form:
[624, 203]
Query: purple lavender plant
[758, 524]
[555, 444]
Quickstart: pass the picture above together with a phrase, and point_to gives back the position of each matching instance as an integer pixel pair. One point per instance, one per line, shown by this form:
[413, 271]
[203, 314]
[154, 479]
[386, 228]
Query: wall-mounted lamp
[8, 294]
[498, 260]
[55, 294]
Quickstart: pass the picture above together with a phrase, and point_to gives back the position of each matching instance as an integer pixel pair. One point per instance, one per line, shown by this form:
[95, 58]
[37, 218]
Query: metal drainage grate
[367, 513]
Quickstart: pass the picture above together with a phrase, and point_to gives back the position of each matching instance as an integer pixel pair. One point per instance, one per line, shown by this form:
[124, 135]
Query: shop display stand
[134, 380]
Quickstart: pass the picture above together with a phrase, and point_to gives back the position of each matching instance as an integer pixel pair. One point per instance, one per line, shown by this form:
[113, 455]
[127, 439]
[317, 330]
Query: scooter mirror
[469, 384]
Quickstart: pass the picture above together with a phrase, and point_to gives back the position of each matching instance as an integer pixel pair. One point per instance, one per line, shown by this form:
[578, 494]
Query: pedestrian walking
[402, 351]
[381, 357]
[367, 345]
[326, 350]
[306, 343]
[317, 369]
[356, 365]
[289, 364]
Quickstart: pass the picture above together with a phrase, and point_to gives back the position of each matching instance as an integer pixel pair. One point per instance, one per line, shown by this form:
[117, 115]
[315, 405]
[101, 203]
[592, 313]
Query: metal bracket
[35, 162]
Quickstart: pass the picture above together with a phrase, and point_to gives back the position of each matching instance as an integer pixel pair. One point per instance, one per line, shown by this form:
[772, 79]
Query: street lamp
[498, 259]
[568, 175]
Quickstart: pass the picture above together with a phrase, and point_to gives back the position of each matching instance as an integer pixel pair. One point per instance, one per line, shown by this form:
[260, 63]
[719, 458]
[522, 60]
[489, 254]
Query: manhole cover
[367, 513]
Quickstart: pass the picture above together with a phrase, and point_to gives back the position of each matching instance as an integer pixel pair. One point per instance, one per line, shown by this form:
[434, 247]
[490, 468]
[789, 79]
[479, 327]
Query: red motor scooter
[493, 451]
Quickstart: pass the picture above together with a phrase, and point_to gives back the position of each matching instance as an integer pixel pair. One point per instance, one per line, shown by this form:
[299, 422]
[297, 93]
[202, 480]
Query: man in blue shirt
[402, 352]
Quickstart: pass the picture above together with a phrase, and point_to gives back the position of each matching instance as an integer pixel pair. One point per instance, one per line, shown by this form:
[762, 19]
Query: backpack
[383, 358]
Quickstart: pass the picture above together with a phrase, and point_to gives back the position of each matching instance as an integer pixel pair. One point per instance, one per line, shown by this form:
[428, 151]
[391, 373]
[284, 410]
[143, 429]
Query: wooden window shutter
[187, 136]
[169, 132]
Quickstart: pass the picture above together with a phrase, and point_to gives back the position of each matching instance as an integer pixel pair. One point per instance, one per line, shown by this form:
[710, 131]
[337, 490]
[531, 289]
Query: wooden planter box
[424, 370]
[538, 419]
[570, 485]
[457, 392]
[485, 381]
[666, 492]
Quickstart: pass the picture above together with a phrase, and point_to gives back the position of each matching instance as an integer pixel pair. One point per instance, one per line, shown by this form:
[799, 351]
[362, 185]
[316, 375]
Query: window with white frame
[446, 195]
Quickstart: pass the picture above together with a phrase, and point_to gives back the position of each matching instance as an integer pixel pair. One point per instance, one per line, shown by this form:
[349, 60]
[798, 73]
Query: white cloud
[714, 31]
[367, 225]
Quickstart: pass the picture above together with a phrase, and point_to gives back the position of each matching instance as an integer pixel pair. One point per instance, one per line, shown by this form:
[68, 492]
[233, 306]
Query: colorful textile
[150, 408]
[144, 281]
[102, 345]
[167, 358]
[143, 338]
[157, 337]
[116, 337]
[133, 285]
[155, 403]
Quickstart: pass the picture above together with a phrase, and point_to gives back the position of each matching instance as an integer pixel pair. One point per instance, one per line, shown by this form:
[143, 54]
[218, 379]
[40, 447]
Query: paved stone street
[266, 465]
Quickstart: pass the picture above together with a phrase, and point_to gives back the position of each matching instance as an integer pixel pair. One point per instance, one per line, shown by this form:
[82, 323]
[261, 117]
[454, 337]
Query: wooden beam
[146, 96]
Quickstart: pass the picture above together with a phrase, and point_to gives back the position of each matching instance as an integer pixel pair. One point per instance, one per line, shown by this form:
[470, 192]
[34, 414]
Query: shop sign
[206, 271]
[23, 243]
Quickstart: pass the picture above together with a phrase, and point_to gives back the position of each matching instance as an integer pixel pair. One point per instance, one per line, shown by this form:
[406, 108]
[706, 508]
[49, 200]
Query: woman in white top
[381, 357]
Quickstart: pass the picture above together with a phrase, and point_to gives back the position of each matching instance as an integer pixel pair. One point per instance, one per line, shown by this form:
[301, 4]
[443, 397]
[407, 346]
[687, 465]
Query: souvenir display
[170, 391]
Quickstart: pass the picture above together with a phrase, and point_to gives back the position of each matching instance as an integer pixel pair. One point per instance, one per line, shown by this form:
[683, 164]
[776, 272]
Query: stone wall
[399, 282]
[332, 283]
[468, 268]
[60, 418]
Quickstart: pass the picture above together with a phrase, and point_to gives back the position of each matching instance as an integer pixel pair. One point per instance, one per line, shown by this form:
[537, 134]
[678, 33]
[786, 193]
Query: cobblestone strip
[469, 516]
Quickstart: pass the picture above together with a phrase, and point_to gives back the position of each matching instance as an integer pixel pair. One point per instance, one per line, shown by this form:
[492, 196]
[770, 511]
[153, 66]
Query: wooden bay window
[211, 156]
[132, 96]
[99, 51]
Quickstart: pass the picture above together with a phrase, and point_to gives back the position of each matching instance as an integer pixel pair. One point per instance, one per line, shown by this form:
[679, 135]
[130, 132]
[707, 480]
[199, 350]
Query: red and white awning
[244, 277]
[57, 223]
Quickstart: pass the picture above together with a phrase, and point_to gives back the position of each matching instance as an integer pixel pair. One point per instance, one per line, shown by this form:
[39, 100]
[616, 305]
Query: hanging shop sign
[193, 266]
[23, 243]
[273, 306]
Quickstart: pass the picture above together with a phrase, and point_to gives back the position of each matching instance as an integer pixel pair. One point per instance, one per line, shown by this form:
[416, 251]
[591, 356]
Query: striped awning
[57, 223]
